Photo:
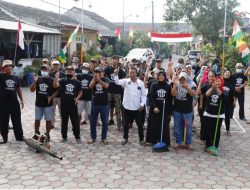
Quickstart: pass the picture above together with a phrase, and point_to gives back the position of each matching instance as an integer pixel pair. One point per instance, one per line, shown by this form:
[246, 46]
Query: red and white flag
[185, 37]
[118, 32]
[20, 36]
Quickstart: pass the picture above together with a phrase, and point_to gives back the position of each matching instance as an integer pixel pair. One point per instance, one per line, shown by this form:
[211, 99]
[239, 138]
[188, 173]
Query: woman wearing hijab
[160, 92]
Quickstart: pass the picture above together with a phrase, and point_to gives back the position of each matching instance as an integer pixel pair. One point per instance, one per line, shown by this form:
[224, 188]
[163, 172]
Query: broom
[161, 146]
[213, 150]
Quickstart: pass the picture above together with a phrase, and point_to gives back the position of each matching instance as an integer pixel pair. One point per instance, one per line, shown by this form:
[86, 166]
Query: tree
[206, 16]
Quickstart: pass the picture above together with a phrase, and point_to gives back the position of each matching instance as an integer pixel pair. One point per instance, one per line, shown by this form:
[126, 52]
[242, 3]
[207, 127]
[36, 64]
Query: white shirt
[134, 93]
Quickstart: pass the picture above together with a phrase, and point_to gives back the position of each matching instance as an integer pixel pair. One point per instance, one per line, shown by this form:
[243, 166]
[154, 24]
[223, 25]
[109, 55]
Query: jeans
[182, 120]
[104, 112]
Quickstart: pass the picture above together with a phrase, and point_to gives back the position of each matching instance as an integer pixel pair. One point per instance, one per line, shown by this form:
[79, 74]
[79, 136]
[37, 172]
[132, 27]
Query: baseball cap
[55, 62]
[45, 66]
[7, 62]
[45, 60]
[86, 65]
[183, 74]
[70, 68]
[158, 60]
[99, 69]
[239, 65]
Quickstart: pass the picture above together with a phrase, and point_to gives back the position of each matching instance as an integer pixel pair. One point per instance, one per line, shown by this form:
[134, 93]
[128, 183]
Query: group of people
[83, 92]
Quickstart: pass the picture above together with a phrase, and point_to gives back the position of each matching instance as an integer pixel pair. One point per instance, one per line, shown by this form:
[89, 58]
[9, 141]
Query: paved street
[130, 166]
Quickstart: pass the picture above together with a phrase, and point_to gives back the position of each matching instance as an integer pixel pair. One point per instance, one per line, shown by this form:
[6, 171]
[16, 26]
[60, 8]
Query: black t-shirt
[61, 75]
[229, 85]
[8, 86]
[44, 88]
[69, 90]
[205, 87]
[183, 102]
[85, 81]
[240, 79]
[213, 102]
[114, 88]
[100, 94]
[158, 93]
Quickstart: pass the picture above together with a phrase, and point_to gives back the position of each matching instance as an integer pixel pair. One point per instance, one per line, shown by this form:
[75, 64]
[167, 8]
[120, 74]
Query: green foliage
[140, 40]
[232, 56]
[31, 69]
[206, 16]
[108, 50]
[37, 62]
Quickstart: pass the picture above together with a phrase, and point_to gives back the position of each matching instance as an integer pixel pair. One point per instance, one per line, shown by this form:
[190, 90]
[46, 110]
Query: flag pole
[17, 36]
[224, 38]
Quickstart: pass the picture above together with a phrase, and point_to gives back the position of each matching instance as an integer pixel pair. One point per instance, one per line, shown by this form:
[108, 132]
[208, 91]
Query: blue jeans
[104, 112]
[180, 120]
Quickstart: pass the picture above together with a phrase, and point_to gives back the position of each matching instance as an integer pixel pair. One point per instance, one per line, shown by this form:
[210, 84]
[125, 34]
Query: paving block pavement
[129, 166]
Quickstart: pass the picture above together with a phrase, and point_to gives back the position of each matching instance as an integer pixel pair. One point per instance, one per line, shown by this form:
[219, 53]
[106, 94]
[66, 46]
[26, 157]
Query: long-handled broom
[161, 146]
[213, 150]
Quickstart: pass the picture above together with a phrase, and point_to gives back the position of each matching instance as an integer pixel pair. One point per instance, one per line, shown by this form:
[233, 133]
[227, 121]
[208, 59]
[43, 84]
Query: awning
[10, 25]
[184, 37]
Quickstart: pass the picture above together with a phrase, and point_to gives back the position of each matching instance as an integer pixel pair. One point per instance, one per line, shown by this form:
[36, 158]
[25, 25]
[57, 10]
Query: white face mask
[179, 65]
[138, 69]
[239, 70]
[44, 73]
[85, 72]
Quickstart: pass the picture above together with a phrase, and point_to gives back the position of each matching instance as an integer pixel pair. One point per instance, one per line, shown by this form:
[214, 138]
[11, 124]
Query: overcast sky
[135, 10]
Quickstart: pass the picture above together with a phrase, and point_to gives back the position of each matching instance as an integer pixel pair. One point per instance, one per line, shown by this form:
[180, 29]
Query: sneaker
[148, 144]
[92, 141]
[20, 139]
[229, 133]
[243, 119]
[111, 122]
[4, 141]
[63, 140]
[142, 143]
[105, 142]
[78, 141]
[52, 126]
[125, 141]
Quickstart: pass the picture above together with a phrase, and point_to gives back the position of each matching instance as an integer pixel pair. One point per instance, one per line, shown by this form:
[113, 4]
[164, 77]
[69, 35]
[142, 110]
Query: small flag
[237, 33]
[118, 32]
[131, 32]
[20, 36]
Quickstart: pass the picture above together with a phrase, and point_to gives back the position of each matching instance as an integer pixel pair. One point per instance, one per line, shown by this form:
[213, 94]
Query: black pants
[210, 131]
[241, 100]
[70, 111]
[149, 135]
[10, 109]
[156, 128]
[129, 117]
[228, 116]
[202, 130]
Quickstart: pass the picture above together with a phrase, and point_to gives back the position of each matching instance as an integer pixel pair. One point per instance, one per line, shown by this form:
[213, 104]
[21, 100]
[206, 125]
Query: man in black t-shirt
[115, 92]
[44, 99]
[56, 101]
[100, 85]
[9, 104]
[240, 83]
[85, 101]
[70, 92]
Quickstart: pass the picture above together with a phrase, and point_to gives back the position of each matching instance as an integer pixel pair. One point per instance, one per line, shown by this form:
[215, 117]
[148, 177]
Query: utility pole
[123, 18]
[60, 15]
[153, 14]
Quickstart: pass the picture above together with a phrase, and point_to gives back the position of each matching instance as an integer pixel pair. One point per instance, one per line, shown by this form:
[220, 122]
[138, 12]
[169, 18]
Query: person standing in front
[183, 109]
[240, 84]
[99, 85]
[115, 91]
[70, 92]
[56, 101]
[44, 99]
[10, 106]
[134, 101]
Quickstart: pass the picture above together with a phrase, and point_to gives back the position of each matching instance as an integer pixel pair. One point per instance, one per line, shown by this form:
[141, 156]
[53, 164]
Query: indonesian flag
[185, 37]
[20, 36]
[237, 33]
[118, 32]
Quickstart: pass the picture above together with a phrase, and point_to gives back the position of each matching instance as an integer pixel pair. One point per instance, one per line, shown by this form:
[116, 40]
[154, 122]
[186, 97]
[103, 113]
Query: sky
[112, 10]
